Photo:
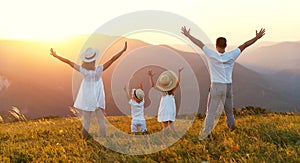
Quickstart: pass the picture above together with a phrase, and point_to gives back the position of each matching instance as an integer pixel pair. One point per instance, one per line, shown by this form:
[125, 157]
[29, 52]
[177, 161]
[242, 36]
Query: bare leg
[171, 125]
[101, 121]
[86, 124]
[165, 125]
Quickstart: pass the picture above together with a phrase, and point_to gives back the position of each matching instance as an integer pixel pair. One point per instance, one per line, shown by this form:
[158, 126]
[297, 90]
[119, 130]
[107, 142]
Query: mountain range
[41, 86]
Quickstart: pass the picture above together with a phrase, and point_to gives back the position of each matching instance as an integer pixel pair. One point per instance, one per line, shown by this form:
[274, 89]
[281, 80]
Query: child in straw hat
[137, 109]
[167, 83]
[90, 97]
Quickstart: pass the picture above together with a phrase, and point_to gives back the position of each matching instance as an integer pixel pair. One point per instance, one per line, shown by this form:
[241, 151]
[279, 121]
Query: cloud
[4, 83]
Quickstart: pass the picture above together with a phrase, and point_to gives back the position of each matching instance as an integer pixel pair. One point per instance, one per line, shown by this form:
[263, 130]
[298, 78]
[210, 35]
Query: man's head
[221, 43]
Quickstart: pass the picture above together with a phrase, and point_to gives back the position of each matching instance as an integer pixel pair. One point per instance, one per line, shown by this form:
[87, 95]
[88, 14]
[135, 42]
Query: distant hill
[42, 86]
[279, 64]
[273, 58]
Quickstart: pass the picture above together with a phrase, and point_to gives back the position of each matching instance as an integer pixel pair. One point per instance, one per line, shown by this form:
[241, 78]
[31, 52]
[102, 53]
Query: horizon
[151, 41]
[148, 41]
[179, 45]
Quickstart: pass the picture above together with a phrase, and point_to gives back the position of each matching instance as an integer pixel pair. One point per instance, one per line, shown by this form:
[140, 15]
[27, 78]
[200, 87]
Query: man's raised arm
[197, 42]
[259, 34]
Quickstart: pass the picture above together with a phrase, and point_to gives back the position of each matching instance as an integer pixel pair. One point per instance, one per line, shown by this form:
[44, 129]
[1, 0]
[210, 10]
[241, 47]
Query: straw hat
[138, 93]
[90, 55]
[166, 81]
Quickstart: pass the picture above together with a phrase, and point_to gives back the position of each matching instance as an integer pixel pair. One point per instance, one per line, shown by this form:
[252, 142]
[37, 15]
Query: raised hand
[258, 35]
[180, 69]
[185, 31]
[126, 92]
[125, 47]
[141, 85]
[261, 33]
[115, 57]
[151, 73]
[53, 53]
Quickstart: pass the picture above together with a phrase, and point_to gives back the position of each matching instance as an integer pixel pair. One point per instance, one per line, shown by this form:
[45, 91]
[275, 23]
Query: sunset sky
[234, 19]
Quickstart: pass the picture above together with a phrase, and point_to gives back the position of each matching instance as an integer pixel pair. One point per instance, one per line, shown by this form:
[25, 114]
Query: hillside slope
[258, 138]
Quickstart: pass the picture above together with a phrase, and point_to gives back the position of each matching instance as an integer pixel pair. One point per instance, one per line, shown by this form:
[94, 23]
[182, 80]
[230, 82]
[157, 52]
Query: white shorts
[135, 124]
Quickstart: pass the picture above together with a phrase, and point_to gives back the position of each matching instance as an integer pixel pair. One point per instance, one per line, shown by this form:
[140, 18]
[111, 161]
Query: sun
[40, 37]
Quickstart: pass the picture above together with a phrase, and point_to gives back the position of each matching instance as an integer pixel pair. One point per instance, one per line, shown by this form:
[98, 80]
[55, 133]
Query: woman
[90, 97]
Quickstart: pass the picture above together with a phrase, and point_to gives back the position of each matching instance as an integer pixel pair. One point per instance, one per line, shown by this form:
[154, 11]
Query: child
[90, 96]
[167, 83]
[137, 109]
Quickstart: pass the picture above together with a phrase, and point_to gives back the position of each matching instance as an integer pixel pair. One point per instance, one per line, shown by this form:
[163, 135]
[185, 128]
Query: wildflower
[236, 148]
[1, 120]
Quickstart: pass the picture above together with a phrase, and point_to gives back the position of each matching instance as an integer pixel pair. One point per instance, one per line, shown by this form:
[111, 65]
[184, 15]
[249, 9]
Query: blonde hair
[88, 65]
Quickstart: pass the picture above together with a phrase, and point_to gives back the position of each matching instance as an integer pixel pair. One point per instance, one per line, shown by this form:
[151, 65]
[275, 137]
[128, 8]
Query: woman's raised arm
[72, 64]
[114, 58]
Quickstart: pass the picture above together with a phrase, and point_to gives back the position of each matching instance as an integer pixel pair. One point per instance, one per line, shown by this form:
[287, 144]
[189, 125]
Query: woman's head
[90, 55]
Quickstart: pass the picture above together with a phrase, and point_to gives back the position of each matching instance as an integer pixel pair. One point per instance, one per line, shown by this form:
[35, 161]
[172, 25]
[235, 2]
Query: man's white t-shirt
[221, 64]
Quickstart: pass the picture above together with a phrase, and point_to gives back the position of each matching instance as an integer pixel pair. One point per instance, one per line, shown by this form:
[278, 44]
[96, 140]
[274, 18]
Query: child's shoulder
[135, 103]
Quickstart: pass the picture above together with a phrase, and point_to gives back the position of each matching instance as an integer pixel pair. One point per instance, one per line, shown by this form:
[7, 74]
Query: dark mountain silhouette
[42, 86]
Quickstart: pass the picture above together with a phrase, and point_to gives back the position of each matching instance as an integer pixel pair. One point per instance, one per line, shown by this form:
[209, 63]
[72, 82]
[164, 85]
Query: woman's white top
[91, 92]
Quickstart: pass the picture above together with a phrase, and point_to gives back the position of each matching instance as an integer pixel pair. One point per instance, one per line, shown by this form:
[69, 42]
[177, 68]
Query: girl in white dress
[166, 83]
[90, 96]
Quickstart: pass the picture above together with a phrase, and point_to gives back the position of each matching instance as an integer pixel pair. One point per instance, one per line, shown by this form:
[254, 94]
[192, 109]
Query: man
[220, 65]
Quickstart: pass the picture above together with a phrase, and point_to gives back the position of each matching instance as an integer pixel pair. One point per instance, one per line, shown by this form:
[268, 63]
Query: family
[91, 96]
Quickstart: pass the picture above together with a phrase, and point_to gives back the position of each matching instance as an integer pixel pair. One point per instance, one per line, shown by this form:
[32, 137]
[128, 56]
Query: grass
[258, 138]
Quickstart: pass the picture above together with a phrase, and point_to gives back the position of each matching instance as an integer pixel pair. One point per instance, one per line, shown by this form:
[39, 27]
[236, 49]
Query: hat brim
[139, 94]
[173, 78]
[95, 57]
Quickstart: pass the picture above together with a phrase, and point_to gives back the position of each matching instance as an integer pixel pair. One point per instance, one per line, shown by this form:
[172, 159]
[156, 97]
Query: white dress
[91, 92]
[167, 109]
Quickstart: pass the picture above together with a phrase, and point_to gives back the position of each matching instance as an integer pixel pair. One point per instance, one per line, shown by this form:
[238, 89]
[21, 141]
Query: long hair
[88, 65]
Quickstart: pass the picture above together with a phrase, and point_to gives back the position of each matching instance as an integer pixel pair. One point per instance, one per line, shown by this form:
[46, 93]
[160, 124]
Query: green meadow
[259, 137]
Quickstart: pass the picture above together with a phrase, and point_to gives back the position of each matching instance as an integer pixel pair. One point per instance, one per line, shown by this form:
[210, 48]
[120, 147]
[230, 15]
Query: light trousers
[220, 97]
